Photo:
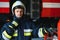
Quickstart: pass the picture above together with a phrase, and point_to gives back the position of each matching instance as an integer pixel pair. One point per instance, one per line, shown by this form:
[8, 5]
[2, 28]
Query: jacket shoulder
[6, 24]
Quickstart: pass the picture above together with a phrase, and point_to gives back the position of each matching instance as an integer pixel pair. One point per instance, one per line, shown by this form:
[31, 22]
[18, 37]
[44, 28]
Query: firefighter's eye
[17, 11]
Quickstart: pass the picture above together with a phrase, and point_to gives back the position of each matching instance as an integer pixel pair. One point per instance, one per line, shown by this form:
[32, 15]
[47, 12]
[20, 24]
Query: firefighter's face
[19, 13]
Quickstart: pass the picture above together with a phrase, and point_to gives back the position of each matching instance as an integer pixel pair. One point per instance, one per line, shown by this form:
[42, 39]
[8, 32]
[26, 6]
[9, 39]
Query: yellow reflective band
[27, 33]
[15, 34]
[10, 26]
[45, 31]
[8, 36]
[15, 23]
[41, 33]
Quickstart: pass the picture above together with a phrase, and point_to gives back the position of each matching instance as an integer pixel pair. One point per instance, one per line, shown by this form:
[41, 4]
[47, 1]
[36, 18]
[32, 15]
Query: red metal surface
[4, 10]
[50, 12]
[4, 0]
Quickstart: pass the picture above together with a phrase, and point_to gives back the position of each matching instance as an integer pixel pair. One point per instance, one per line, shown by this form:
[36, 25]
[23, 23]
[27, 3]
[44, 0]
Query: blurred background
[40, 11]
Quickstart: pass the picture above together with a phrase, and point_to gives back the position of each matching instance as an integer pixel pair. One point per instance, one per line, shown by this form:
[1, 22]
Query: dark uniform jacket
[24, 31]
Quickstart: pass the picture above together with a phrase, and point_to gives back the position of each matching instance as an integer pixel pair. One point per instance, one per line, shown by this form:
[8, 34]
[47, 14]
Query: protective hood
[17, 3]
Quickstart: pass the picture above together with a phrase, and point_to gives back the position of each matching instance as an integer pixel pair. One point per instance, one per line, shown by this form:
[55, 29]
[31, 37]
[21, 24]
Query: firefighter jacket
[23, 30]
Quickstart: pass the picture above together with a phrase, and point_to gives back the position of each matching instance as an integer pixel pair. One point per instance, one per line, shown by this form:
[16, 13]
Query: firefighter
[19, 28]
